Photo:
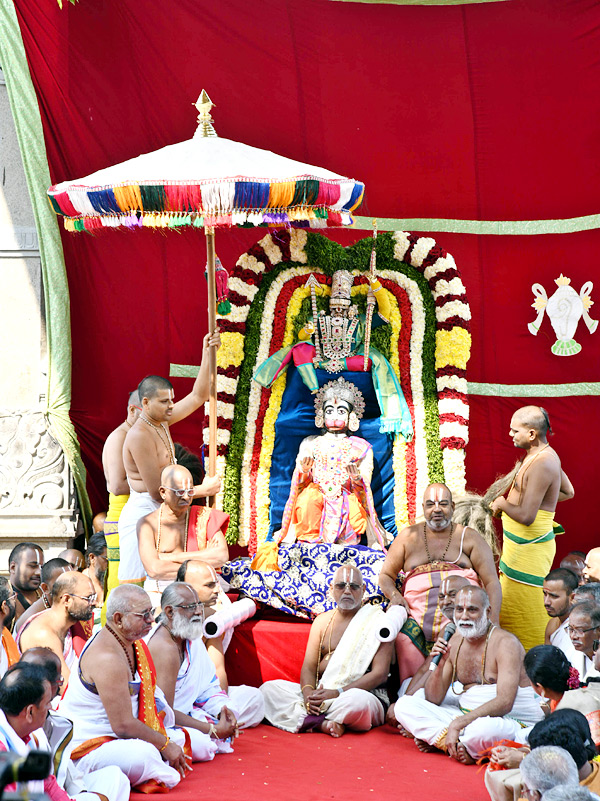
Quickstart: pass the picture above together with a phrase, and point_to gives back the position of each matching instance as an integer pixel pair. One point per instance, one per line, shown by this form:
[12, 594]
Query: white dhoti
[355, 708]
[284, 707]
[138, 760]
[139, 504]
[247, 704]
[429, 722]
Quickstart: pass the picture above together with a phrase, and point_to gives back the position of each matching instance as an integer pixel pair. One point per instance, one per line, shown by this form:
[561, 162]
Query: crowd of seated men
[153, 679]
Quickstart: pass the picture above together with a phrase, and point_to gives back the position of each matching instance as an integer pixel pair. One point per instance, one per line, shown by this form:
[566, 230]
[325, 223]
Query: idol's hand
[353, 472]
[306, 464]
[309, 328]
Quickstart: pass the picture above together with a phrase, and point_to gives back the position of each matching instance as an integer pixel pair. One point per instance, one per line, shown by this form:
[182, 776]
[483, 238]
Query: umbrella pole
[212, 355]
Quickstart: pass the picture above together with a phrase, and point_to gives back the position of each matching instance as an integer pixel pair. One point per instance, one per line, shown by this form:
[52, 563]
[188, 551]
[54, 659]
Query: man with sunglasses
[178, 531]
[73, 598]
[344, 664]
[9, 653]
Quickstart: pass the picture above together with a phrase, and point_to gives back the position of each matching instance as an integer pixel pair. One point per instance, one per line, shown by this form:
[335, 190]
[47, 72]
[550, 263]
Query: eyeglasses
[12, 597]
[89, 598]
[579, 630]
[341, 585]
[147, 615]
[181, 493]
[190, 606]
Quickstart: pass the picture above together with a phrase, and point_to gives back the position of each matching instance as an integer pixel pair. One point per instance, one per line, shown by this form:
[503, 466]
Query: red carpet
[272, 765]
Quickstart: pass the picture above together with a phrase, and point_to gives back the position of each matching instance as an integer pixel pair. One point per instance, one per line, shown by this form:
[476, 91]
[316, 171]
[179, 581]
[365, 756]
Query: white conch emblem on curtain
[565, 308]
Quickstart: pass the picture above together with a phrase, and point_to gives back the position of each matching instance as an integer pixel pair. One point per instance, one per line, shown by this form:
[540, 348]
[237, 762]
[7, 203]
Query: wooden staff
[370, 300]
[212, 357]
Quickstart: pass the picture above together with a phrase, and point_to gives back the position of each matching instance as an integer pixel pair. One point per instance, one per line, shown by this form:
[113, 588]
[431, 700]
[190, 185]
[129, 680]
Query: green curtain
[28, 124]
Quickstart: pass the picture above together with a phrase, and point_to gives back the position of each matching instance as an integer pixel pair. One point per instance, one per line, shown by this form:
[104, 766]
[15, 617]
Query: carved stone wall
[37, 498]
[37, 495]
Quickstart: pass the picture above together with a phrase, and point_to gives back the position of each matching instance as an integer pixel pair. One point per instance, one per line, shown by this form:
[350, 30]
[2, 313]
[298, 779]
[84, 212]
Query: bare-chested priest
[178, 531]
[528, 546]
[428, 553]
[343, 665]
[117, 486]
[148, 447]
[483, 665]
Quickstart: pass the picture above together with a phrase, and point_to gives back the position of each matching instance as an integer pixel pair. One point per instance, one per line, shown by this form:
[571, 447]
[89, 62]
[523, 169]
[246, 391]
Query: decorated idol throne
[425, 342]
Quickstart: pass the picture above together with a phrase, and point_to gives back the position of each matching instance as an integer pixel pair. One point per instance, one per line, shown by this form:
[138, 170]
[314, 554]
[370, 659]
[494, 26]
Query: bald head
[203, 578]
[447, 594]
[73, 557]
[71, 583]
[438, 507]
[174, 473]
[48, 661]
[534, 417]
[591, 571]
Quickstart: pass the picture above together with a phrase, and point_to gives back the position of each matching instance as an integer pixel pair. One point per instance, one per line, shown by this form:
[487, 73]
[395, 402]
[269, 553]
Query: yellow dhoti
[527, 556]
[111, 533]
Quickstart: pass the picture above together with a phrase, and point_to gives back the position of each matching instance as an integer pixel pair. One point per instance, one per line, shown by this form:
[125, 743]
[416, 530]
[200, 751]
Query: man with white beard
[495, 698]
[186, 675]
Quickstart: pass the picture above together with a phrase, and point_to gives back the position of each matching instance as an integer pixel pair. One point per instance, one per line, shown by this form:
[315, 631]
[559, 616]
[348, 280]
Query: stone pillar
[37, 499]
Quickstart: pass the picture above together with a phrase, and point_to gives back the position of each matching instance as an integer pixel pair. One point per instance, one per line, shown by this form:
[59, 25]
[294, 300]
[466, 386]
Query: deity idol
[330, 499]
[339, 344]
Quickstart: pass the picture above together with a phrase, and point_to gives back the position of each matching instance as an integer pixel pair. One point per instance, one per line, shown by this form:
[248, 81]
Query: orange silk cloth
[10, 647]
[421, 588]
[203, 524]
[147, 713]
[307, 514]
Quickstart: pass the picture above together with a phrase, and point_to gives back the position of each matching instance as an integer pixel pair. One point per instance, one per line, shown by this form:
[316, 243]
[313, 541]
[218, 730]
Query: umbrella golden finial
[205, 122]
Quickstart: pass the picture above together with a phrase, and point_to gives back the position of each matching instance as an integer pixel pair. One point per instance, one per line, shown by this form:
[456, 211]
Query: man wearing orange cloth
[9, 653]
[427, 553]
[120, 717]
[178, 531]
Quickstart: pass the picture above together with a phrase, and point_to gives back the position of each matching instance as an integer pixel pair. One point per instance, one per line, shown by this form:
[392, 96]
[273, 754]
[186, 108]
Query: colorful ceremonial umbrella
[207, 182]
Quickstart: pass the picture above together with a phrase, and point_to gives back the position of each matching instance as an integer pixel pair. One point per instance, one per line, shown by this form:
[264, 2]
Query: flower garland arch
[427, 341]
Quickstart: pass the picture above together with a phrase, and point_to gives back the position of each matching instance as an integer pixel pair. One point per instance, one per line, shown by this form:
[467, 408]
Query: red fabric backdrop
[484, 111]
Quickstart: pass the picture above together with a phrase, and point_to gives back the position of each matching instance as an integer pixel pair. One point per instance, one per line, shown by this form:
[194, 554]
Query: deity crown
[340, 389]
[341, 286]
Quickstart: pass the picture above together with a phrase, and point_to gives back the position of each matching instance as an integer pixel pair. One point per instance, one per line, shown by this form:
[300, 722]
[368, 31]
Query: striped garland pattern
[428, 346]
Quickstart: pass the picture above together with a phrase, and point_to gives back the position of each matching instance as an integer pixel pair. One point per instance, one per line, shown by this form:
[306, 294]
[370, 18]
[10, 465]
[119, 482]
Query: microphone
[449, 631]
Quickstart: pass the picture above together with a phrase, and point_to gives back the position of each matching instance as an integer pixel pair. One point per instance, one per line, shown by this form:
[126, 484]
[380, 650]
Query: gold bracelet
[212, 731]
[305, 686]
[167, 741]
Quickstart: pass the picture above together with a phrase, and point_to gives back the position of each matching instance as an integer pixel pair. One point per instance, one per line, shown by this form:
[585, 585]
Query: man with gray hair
[112, 697]
[186, 675]
[483, 664]
[544, 768]
[569, 792]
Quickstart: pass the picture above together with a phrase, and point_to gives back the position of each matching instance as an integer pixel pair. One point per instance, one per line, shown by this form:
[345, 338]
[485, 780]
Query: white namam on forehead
[349, 575]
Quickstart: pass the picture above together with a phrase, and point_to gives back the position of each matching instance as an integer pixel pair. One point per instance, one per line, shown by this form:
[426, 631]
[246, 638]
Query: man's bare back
[543, 467]
[112, 461]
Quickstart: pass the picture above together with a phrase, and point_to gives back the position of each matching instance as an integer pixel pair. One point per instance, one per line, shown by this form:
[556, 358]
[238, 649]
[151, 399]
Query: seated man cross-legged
[187, 676]
[494, 694]
[115, 705]
[343, 664]
[246, 702]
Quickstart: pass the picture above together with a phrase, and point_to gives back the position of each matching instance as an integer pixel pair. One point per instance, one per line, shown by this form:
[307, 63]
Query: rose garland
[427, 342]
